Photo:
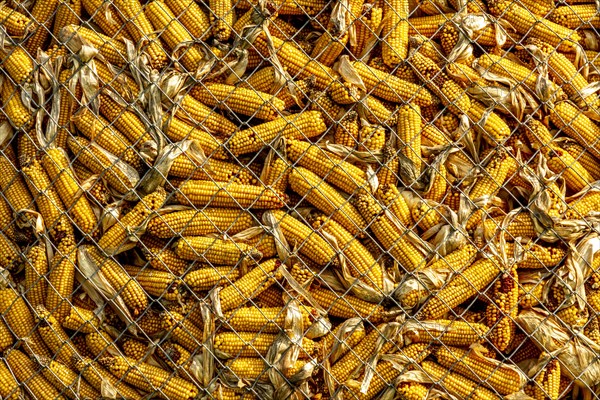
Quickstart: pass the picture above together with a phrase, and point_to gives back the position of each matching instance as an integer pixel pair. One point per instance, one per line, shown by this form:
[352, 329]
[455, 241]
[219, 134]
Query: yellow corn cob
[124, 121]
[395, 32]
[409, 133]
[67, 107]
[250, 344]
[141, 30]
[221, 194]
[583, 156]
[530, 294]
[326, 199]
[173, 33]
[412, 391]
[205, 116]
[347, 306]
[36, 268]
[575, 175]
[106, 17]
[182, 330]
[502, 310]
[332, 168]
[10, 254]
[100, 343]
[391, 88]
[384, 375]
[206, 278]
[494, 130]
[148, 378]
[371, 138]
[131, 291]
[61, 278]
[15, 23]
[179, 130]
[389, 235]
[302, 237]
[112, 49]
[366, 28]
[251, 369]
[345, 367]
[18, 64]
[191, 16]
[66, 380]
[200, 222]
[9, 387]
[28, 148]
[7, 340]
[346, 132]
[26, 370]
[161, 257]
[221, 18]
[97, 376]
[583, 205]
[361, 262]
[213, 251]
[98, 130]
[574, 16]
[390, 197]
[57, 165]
[67, 13]
[428, 26]
[237, 99]
[524, 22]
[287, 7]
[457, 260]
[48, 201]
[462, 286]
[18, 115]
[329, 46]
[449, 92]
[249, 285]
[134, 349]
[426, 216]
[42, 15]
[278, 173]
[150, 323]
[55, 337]
[159, 284]
[496, 173]
[113, 241]
[178, 358]
[265, 319]
[575, 124]
[81, 320]
[223, 171]
[304, 125]
[449, 333]
[330, 110]
[343, 344]
[271, 297]
[456, 384]
[19, 319]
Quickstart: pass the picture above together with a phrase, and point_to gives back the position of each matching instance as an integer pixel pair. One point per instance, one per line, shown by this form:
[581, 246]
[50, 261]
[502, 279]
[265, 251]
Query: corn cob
[234, 195]
[134, 349]
[7, 339]
[391, 88]
[214, 251]
[489, 124]
[206, 278]
[66, 380]
[115, 239]
[112, 49]
[345, 367]
[395, 32]
[9, 387]
[182, 330]
[67, 13]
[265, 319]
[361, 262]
[141, 30]
[348, 306]
[456, 384]
[204, 115]
[61, 278]
[100, 163]
[409, 133]
[548, 381]
[330, 110]
[329, 46]
[249, 368]
[173, 33]
[98, 130]
[449, 333]
[223, 171]
[271, 297]
[389, 234]
[343, 344]
[574, 16]
[131, 291]
[428, 26]
[105, 16]
[391, 198]
[149, 378]
[55, 337]
[577, 126]
[36, 268]
[191, 16]
[524, 22]
[42, 15]
[99, 343]
[249, 285]
[18, 64]
[159, 284]
[462, 286]
[503, 309]
[19, 319]
[304, 125]
[26, 371]
[10, 253]
[584, 158]
[583, 205]
[57, 165]
[336, 171]
[15, 23]
[451, 95]
[250, 344]
[81, 320]
[125, 121]
[18, 115]
[200, 222]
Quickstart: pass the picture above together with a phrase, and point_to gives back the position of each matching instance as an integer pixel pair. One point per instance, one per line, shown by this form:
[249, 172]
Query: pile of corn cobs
[305, 199]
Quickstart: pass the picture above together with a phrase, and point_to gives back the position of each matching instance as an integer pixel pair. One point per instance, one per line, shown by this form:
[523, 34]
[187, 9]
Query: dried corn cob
[265, 319]
[26, 370]
[200, 222]
[234, 195]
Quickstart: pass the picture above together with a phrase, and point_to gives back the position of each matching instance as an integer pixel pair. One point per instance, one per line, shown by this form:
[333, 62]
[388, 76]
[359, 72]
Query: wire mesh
[299, 199]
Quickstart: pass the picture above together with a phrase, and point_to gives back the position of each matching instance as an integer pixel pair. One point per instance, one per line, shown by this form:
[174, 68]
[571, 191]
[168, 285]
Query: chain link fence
[353, 199]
